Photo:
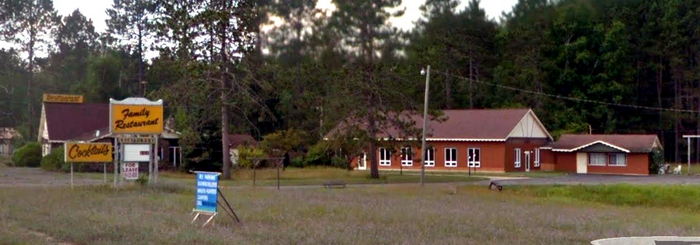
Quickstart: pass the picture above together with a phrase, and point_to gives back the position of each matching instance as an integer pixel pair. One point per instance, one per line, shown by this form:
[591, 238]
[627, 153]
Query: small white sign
[137, 152]
[130, 170]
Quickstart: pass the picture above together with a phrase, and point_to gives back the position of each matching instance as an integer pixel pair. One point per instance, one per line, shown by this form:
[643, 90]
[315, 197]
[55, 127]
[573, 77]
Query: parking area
[594, 179]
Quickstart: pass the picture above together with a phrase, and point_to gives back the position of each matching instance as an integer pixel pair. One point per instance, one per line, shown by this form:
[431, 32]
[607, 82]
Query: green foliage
[246, 155]
[283, 141]
[319, 154]
[29, 155]
[54, 161]
[657, 160]
[679, 196]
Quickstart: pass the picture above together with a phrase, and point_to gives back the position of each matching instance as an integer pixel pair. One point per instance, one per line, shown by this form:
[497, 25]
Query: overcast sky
[95, 10]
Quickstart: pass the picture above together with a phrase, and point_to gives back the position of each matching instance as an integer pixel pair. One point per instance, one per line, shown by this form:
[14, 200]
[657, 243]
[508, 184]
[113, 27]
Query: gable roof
[463, 125]
[635, 143]
[234, 140]
[70, 121]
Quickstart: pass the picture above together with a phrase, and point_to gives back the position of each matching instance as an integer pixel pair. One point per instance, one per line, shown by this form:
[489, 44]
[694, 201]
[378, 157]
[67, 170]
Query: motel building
[509, 140]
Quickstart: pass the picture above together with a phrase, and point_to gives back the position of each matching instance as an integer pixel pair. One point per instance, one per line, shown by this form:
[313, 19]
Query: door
[362, 161]
[527, 161]
[581, 163]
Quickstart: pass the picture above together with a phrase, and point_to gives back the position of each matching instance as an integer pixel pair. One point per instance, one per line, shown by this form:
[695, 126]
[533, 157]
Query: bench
[334, 184]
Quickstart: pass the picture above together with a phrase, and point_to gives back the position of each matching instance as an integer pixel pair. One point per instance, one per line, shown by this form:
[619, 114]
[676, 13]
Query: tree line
[262, 67]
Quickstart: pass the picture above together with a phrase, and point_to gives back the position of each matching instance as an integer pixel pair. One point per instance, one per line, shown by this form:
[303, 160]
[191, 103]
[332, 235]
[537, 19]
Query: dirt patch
[27, 177]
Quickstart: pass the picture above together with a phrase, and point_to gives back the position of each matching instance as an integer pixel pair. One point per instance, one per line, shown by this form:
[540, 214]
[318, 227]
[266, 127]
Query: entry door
[362, 161]
[527, 161]
[581, 163]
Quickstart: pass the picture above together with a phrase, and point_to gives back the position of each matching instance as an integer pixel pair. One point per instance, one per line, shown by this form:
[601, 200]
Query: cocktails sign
[136, 116]
[87, 152]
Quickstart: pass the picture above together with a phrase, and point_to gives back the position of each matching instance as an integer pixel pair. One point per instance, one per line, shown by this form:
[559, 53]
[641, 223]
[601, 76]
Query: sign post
[86, 153]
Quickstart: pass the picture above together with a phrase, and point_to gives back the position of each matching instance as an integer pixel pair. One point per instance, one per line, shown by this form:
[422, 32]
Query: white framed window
[406, 156]
[430, 157]
[597, 159]
[474, 157]
[618, 159]
[537, 158]
[451, 157]
[384, 157]
[516, 162]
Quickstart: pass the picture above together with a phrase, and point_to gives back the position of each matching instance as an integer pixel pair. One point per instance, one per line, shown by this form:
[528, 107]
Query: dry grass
[404, 214]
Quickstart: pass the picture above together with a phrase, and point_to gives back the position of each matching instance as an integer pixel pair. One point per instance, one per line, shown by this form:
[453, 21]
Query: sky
[95, 10]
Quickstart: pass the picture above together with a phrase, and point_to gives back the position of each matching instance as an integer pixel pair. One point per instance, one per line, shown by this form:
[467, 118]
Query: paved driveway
[29, 177]
[594, 179]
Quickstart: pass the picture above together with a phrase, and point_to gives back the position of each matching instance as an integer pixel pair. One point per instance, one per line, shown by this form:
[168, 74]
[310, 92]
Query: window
[537, 157]
[384, 157]
[430, 157]
[597, 159]
[618, 159]
[474, 157]
[406, 156]
[450, 157]
[517, 158]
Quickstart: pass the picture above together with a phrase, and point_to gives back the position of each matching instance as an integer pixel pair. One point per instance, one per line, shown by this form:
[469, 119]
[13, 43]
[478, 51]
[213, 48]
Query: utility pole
[425, 123]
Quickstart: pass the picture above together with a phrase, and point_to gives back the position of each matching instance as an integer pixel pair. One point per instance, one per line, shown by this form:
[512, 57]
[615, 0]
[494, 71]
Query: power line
[568, 97]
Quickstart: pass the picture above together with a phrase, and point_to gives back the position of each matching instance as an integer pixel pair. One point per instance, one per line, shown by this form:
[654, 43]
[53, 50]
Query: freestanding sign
[136, 118]
[63, 98]
[87, 153]
[130, 170]
[206, 197]
[207, 186]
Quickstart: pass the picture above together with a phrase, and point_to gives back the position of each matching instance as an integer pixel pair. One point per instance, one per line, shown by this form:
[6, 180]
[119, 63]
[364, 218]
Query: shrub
[297, 162]
[246, 155]
[54, 161]
[657, 160]
[318, 154]
[29, 155]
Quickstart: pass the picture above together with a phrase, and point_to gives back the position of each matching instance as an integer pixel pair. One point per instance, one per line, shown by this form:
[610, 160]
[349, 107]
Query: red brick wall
[548, 163]
[565, 161]
[524, 145]
[494, 156]
[637, 163]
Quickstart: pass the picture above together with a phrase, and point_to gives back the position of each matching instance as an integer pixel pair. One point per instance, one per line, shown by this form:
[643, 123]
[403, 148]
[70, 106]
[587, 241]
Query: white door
[527, 161]
[362, 161]
[581, 163]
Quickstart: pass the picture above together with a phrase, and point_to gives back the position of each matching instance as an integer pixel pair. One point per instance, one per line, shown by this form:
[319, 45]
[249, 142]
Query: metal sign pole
[116, 159]
[104, 171]
[156, 158]
[71, 175]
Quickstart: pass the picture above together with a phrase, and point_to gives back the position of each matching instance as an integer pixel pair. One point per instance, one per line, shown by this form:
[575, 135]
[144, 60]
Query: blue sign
[207, 186]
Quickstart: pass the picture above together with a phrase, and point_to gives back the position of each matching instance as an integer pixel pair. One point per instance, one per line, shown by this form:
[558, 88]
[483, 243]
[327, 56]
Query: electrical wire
[569, 98]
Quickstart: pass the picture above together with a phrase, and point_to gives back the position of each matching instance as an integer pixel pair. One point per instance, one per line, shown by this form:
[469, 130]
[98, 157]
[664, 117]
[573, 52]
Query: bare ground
[36, 177]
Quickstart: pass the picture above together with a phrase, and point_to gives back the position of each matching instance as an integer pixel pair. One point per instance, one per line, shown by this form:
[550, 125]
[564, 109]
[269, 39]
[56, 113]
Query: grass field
[400, 214]
[320, 175]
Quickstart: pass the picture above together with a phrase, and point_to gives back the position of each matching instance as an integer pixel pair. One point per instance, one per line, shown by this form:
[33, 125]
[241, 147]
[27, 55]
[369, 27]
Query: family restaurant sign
[136, 116]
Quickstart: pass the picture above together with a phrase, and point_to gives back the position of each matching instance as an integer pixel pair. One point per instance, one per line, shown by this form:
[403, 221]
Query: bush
[319, 154]
[54, 161]
[657, 160]
[28, 155]
[246, 154]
